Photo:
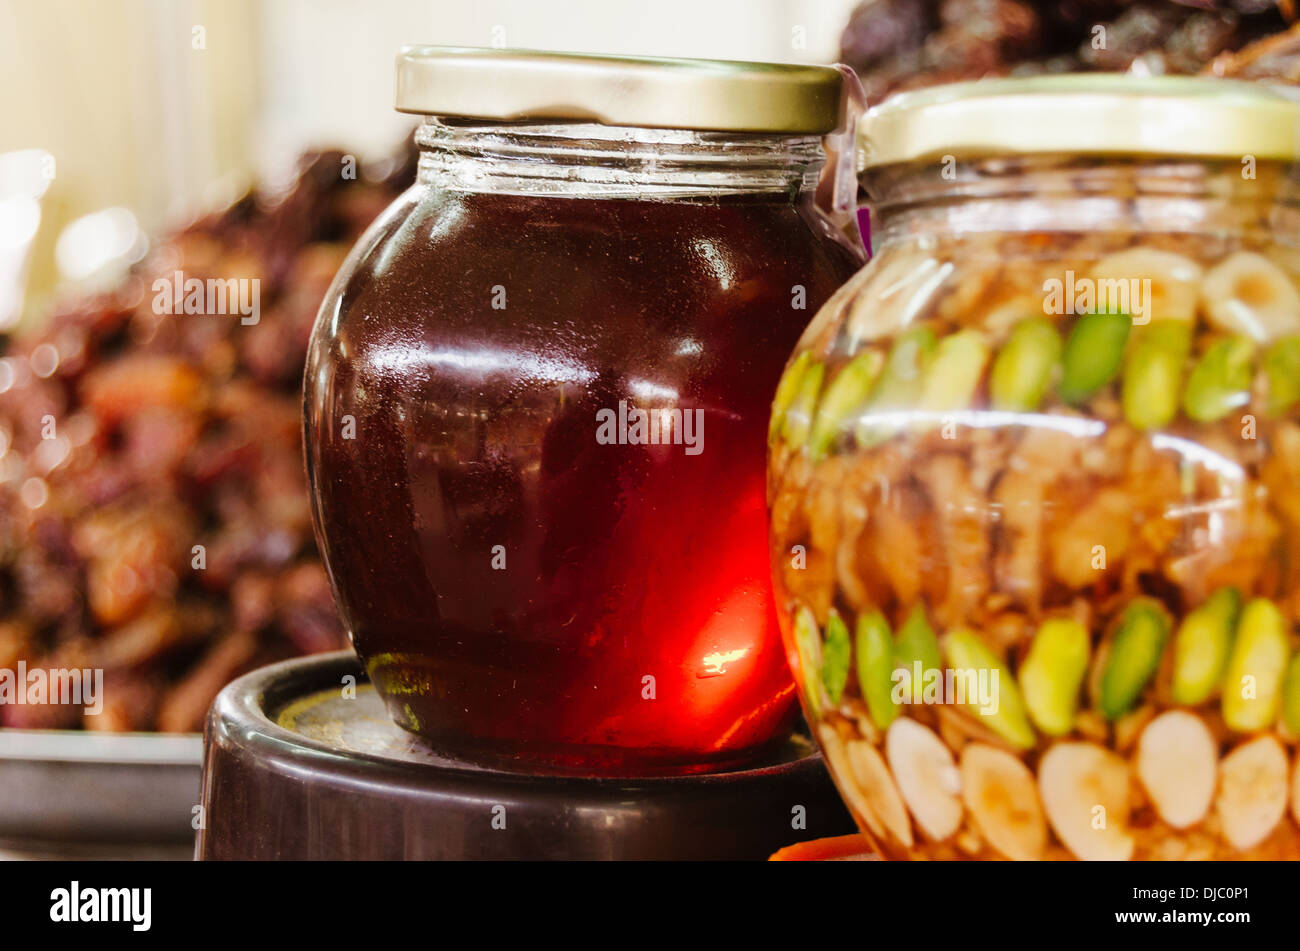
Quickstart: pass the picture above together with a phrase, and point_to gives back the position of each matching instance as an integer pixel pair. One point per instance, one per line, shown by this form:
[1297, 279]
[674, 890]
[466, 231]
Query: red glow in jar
[536, 406]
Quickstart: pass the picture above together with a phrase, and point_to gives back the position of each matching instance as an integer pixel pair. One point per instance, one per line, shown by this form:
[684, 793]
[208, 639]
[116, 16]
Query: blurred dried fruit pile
[128, 438]
[902, 44]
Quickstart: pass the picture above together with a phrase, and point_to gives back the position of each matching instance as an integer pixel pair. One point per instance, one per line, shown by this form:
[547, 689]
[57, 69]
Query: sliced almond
[1252, 791]
[1178, 763]
[1085, 793]
[867, 766]
[926, 776]
[1246, 293]
[864, 781]
[1295, 791]
[837, 758]
[1174, 287]
[1000, 793]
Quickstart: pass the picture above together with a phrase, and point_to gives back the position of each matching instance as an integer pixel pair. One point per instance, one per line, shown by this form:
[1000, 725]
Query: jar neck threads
[588, 160]
[1060, 194]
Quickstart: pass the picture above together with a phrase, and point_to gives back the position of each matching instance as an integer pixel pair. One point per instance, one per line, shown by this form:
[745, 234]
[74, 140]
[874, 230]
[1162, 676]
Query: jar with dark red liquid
[537, 399]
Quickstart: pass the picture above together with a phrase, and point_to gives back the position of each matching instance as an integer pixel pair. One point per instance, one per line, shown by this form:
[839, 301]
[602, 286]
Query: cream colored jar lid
[705, 95]
[1087, 113]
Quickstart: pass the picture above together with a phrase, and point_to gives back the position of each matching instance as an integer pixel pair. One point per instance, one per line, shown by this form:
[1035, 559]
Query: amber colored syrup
[511, 582]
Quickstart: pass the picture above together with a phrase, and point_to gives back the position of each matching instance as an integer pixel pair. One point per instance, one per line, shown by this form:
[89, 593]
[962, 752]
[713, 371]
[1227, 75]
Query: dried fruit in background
[906, 44]
[161, 528]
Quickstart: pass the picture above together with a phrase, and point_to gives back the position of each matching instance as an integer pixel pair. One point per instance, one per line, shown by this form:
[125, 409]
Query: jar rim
[648, 92]
[1084, 114]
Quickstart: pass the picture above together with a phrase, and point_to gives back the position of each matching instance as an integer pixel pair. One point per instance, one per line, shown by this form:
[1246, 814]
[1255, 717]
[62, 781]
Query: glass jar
[536, 406]
[1034, 477]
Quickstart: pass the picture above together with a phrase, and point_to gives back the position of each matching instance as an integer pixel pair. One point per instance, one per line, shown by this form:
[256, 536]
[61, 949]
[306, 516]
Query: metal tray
[62, 787]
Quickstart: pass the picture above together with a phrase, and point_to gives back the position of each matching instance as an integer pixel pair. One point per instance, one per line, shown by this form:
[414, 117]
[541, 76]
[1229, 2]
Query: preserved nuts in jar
[1034, 484]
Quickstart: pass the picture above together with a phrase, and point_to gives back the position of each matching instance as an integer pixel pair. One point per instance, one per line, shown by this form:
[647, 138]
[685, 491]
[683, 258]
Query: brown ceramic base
[295, 770]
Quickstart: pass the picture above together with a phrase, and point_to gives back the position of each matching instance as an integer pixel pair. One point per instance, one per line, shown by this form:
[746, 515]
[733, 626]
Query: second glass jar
[1034, 478]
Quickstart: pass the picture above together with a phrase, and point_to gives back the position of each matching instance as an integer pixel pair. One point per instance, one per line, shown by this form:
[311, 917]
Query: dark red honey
[521, 592]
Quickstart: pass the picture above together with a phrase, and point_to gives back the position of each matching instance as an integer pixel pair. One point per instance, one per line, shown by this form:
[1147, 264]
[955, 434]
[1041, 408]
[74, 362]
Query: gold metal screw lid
[1088, 113]
[696, 94]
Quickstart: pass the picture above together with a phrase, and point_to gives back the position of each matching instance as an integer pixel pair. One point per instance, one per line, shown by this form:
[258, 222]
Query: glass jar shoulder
[538, 270]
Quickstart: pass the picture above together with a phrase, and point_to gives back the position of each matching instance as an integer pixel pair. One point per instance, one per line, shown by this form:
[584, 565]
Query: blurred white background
[167, 107]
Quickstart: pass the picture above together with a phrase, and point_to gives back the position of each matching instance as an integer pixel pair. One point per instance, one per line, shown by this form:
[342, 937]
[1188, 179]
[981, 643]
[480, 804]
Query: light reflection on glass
[482, 362]
[1195, 452]
[981, 419]
[647, 390]
[716, 261]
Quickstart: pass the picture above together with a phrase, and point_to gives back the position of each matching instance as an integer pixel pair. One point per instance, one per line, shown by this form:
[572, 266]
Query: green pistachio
[875, 662]
[1093, 354]
[1025, 366]
[1134, 655]
[1053, 672]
